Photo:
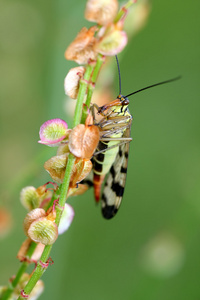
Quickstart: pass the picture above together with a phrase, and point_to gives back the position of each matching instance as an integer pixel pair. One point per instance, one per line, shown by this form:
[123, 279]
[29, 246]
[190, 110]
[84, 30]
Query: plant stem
[65, 186]
[100, 60]
[37, 273]
[123, 10]
[81, 94]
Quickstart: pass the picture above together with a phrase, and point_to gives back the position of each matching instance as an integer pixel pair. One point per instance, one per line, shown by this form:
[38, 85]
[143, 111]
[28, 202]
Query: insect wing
[116, 179]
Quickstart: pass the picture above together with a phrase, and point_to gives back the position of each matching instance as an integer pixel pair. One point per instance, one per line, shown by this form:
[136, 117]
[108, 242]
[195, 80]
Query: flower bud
[71, 83]
[29, 197]
[101, 11]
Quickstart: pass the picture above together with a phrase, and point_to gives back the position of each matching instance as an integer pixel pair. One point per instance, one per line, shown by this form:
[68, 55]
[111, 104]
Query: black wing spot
[123, 170]
[109, 212]
[112, 171]
[120, 152]
[126, 155]
[118, 189]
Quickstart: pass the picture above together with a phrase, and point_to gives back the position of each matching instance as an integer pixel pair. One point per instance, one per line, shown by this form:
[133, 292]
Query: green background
[151, 249]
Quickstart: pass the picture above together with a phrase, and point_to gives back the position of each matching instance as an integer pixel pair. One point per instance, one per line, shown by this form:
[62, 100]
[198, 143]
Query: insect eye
[125, 102]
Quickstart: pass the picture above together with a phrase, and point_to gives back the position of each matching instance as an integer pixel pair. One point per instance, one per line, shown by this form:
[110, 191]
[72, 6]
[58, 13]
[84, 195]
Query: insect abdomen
[102, 163]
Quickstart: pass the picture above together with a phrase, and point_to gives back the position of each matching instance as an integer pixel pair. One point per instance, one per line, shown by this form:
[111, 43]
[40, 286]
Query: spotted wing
[116, 179]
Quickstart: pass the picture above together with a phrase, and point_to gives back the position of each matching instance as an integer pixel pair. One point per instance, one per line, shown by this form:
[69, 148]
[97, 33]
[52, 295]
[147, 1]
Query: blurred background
[150, 250]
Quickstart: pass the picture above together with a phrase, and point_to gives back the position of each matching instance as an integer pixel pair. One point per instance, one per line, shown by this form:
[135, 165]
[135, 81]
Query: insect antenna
[118, 74]
[156, 84]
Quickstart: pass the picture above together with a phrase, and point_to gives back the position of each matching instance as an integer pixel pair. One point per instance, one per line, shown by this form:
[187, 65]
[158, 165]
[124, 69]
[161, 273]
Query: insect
[111, 156]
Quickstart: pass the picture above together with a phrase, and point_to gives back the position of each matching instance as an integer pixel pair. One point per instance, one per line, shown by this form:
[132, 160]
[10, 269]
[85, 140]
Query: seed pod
[71, 83]
[43, 231]
[56, 167]
[112, 42]
[32, 216]
[82, 48]
[53, 131]
[101, 11]
[84, 139]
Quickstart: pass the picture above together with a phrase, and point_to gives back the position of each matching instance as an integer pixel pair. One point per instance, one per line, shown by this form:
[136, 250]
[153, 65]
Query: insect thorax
[112, 127]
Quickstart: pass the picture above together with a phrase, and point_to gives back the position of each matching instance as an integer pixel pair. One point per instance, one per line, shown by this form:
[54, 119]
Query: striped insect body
[111, 157]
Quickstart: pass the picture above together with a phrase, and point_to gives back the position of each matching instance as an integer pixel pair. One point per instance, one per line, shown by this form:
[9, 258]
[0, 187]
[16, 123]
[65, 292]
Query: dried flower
[101, 11]
[82, 48]
[56, 167]
[84, 139]
[78, 190]
[71, 83]
[62, 149]
[81, 169]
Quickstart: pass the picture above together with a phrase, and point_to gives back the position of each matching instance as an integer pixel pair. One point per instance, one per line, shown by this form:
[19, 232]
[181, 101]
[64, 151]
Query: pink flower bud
[52, 132]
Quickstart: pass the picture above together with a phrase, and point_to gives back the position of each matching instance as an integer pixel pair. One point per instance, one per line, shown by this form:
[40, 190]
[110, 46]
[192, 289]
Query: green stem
[91, 86]
[37, 273]
[81, 94]
[123, 10]
[19, 274]
[65, 186]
